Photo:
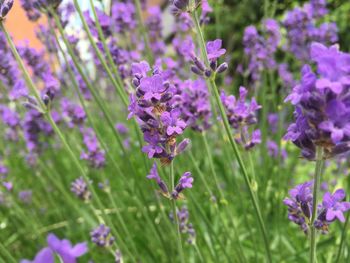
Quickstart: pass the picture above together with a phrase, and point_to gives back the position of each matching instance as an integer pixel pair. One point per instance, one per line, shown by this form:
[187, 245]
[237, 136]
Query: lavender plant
[141, 132]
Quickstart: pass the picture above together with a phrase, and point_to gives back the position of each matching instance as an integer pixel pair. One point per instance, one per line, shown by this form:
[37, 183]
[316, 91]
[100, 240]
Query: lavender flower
[158, 116]
[123, 15]
[65, 249]
[101, 236]
[73, 112]
[214, 52]
[94, 155]
[321, 104]
[45, 255]
[184, 225]
[153, 175]
[302, 30]
[195, 105]
[300, 207]
[12, 120]
[185, 181]
[5, 7]
[331, 209]
[80, 188]
[241, 115]
[260, 48]
[25, 196]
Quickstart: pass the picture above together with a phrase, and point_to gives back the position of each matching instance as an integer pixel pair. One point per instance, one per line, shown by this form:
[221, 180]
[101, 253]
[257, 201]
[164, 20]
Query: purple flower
[152, 87]
[321, 104]
[73, 112]
[158, 113]
[43, 256]
[185, 181]
[300, 205]
[334, 206]
[302, 29]
[123, 15]
[94, 155]
[174, 125]
[214, 49]
[65, 249]
[25, 196]
[241, 115]
[153, 175]
[81, 189]
[101, 236]
[184, 225]
[195, 105]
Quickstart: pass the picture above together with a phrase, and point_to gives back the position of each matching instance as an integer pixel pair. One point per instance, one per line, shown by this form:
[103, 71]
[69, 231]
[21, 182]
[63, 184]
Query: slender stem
[173, 201]
[232, 141]
[211, 164]
[343, 237]
[6, 253]
[317, 182]
[199, 253]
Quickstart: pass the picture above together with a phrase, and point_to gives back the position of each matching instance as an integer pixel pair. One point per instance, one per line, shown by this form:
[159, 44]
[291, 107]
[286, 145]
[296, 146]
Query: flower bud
[196, 70]
[222, 68]
[5, 7]
[199, 64]
[207, 73]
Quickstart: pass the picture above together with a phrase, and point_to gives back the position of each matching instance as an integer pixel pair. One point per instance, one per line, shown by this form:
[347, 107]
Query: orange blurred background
[22, 29]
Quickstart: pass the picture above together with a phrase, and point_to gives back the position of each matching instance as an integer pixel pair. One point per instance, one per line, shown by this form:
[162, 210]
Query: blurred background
[24, 30]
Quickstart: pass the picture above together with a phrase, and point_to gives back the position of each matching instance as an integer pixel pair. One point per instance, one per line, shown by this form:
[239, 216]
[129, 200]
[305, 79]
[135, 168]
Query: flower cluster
[321, 103]
[123, 131]
[302, 29]
[12, 120]
[74, 113]
[94, 155]
[159, 120]
[260, 48]
[81, 189]
[185, 181]
[195, 105]
[62, 248]
[184, 225]
[214, 52]
[101, 236]
[241, 115]
[300, 207]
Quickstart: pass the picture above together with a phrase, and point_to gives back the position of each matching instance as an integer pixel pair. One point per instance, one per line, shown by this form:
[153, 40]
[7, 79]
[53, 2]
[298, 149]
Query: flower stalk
[317, 182]
[213, 87]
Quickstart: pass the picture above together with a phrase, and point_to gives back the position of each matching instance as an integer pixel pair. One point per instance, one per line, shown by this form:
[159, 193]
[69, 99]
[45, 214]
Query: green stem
[211, 164]
[6, 253]
[317, 182]
[232, 141]
[173, 201]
